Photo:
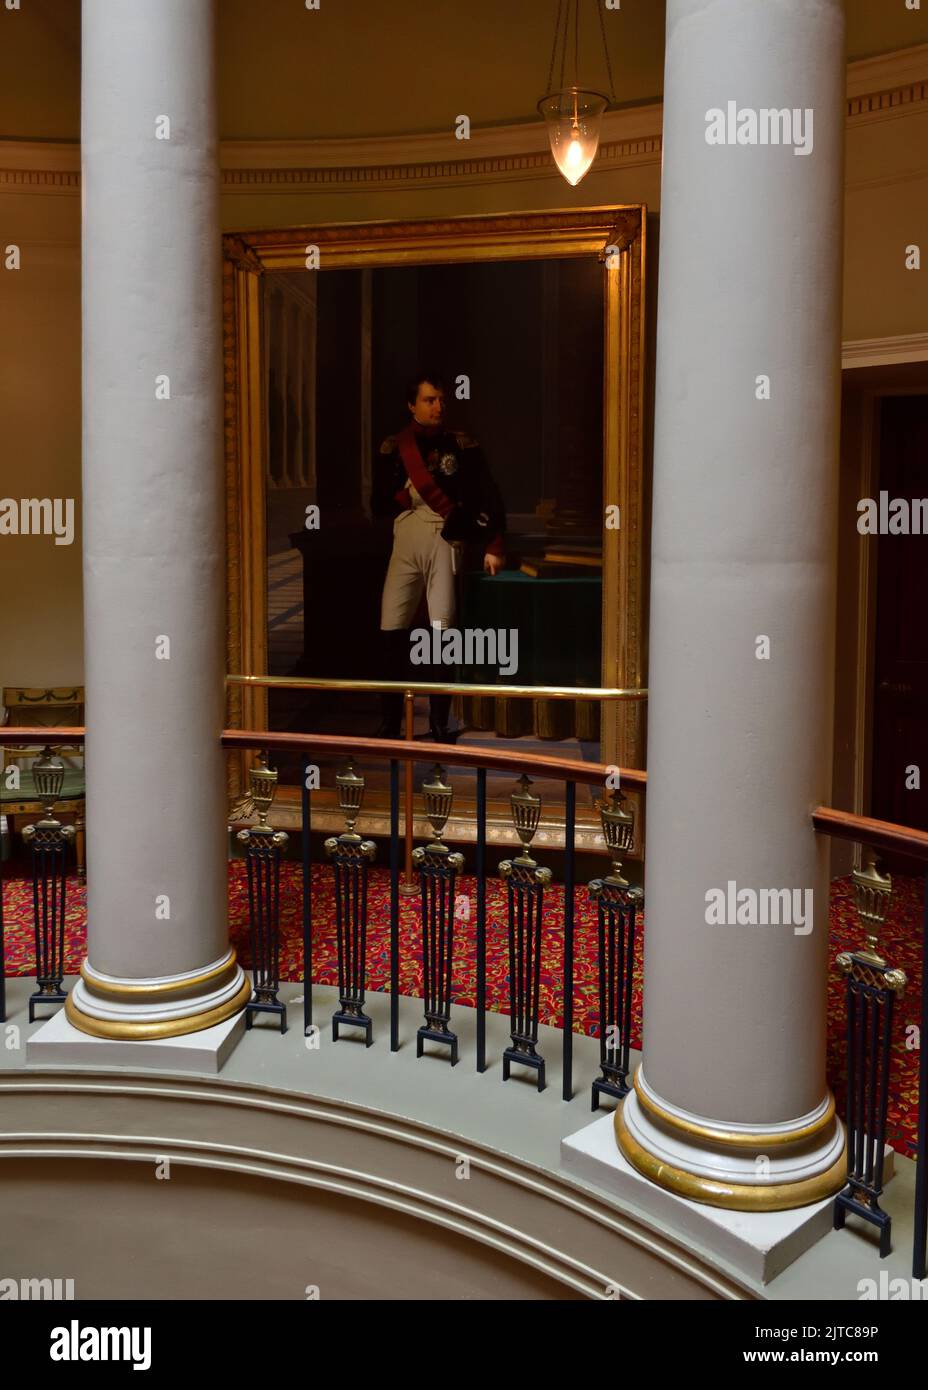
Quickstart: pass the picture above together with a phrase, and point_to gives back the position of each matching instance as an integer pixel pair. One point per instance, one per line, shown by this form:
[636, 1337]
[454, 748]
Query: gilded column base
[739, 1167]
[168, 1007]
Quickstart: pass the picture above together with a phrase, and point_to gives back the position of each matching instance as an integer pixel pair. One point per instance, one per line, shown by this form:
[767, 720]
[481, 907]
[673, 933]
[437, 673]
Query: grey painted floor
[513, 1117]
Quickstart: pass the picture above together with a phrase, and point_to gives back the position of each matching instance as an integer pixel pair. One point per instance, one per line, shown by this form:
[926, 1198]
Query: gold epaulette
[465, 441]
[389, 445]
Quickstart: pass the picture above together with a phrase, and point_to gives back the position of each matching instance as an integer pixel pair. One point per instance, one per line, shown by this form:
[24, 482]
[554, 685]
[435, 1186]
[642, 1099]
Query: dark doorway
[900, 727]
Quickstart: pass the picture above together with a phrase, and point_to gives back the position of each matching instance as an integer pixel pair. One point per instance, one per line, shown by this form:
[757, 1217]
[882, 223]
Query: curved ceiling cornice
[883, 88]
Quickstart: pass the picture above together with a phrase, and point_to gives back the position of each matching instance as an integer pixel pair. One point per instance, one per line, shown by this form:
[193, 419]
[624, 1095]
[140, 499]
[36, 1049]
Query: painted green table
[559, 627]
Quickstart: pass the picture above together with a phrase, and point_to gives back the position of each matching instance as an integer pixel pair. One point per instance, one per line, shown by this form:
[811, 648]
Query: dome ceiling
[377, 67]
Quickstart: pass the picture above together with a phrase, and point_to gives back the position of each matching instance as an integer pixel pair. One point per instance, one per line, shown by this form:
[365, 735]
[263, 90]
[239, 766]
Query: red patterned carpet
[901, 939]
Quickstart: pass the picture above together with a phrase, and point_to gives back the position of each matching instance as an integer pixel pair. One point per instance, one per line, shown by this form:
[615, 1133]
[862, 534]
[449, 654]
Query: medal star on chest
[439, 462]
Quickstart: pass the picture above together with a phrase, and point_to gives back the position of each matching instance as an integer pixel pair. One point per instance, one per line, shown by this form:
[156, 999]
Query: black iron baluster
[526, 883]
[49, 840]
[351, 857]
[850, 1035]
[872, 988]
[920, 1242]
[481, 871]
[438, 869]
[263, 848]
[570, 808]
[394, 905]
[617, 904]
[516, 953]
[305, 815]
[874, 1087]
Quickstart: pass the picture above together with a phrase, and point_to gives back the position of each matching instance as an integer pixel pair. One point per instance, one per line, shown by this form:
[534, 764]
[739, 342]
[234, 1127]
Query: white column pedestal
[754, 1245]
[58, 1043]
[751, 1167]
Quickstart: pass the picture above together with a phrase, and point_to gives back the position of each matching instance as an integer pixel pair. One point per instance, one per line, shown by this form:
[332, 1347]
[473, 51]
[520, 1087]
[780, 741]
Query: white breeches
[420, 560]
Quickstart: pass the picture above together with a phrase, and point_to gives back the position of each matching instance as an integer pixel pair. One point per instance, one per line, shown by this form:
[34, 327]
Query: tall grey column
[159, 961]
[730, 1105]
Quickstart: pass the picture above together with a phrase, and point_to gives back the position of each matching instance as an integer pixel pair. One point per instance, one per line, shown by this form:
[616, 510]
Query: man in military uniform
[436, 485]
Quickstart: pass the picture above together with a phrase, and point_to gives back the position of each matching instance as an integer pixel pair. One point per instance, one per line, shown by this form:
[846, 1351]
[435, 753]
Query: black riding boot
[395, 644]
[439, 714]
[440, 706]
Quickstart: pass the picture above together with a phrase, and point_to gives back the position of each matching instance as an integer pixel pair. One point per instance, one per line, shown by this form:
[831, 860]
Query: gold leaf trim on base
[166, 987]
[733, 1138]
[730, 1196]
[141, 1031]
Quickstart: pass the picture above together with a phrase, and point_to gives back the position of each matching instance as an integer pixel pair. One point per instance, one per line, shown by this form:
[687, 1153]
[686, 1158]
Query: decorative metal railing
[263, 848]
[49, 841]
[438, 868]
[526, 881]
[351, 856]
[600, 695]
[618, 903]
[872, 983]
[872, 989]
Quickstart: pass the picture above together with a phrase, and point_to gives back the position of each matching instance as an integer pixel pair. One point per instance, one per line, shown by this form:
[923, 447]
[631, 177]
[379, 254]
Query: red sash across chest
[419, 475]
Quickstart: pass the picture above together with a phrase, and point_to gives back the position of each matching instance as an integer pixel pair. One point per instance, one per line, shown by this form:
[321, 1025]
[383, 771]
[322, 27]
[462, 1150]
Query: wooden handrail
[36, 736]
[881, 834]
[454, 755]
[843, 825]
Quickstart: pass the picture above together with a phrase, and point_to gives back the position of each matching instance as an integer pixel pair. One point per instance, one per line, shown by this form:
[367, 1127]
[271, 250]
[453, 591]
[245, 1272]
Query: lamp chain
[557, 30]
[561, 32]
[602, 30]
[576, 43]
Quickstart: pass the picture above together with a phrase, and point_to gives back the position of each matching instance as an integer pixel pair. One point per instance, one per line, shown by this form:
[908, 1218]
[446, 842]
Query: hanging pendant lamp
[572, 113]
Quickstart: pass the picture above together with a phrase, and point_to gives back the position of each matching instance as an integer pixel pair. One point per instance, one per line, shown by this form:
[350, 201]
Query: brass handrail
[525, 692]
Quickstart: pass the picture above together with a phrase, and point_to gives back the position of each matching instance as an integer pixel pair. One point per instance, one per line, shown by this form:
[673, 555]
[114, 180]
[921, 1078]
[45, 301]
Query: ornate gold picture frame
[615, 235]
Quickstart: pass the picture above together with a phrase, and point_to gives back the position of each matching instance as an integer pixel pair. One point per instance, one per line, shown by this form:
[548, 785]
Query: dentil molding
[890, 86]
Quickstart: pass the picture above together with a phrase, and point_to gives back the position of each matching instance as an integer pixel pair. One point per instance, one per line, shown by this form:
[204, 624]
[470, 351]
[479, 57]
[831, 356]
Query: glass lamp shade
[573, 118]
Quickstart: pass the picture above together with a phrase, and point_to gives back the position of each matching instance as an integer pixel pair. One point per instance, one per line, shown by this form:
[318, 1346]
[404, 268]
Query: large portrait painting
[434, 469]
